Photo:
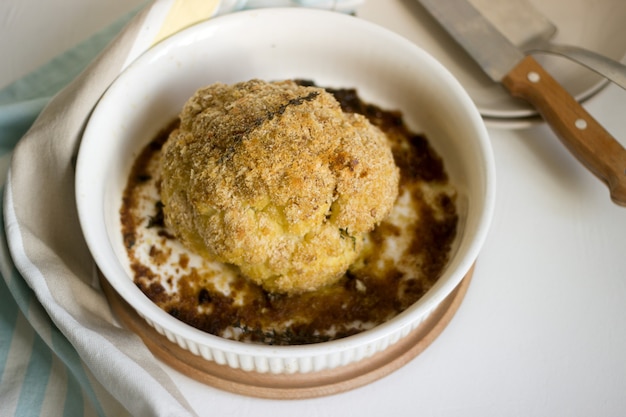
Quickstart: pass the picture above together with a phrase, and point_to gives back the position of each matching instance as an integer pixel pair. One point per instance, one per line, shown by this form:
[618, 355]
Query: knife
[524, 78]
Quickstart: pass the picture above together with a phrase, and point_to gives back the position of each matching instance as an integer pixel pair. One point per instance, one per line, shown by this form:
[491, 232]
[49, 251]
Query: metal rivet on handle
[581, 124]
[533, 77]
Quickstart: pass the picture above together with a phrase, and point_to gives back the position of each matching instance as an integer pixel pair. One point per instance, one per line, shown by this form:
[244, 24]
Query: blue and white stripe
[41, 373]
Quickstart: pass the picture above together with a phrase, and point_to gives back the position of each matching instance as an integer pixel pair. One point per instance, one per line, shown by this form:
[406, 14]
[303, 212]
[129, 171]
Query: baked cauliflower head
[274, 178]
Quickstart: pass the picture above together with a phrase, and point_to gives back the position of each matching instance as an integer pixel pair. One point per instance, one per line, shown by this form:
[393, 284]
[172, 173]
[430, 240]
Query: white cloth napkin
[116, 371]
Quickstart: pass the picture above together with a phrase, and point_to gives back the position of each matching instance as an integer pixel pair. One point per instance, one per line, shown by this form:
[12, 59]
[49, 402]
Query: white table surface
[542, 329]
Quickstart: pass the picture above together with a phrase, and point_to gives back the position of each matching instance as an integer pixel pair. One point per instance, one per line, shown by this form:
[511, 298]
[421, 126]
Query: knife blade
[524, 78]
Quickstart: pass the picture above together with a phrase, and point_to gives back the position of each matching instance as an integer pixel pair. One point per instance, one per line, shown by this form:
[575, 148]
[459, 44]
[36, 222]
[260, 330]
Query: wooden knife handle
[577, 129]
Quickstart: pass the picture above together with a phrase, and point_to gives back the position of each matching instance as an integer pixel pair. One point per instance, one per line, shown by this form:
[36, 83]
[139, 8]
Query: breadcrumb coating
[273, 177]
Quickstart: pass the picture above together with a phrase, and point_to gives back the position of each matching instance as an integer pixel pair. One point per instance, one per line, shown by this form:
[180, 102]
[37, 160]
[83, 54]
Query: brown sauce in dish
[402, 259]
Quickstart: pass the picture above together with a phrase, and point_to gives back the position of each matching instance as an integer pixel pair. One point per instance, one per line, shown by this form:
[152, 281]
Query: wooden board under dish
[298, 385]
